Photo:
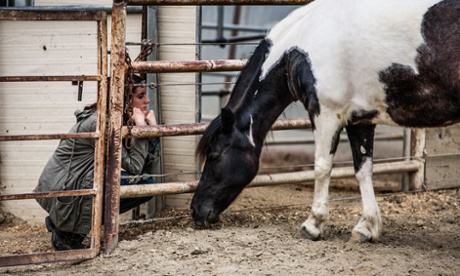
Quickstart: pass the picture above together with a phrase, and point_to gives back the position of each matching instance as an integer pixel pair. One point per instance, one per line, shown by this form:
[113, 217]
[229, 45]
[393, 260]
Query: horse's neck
[264, 110]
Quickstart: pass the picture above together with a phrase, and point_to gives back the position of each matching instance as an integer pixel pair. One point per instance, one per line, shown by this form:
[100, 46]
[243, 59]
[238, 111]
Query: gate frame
[99, 161]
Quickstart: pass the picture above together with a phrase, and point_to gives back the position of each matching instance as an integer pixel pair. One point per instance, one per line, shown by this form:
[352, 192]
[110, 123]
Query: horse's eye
[213, 156]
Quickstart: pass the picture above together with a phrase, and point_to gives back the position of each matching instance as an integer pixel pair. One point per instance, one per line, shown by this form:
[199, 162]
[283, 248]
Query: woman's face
[140, 99]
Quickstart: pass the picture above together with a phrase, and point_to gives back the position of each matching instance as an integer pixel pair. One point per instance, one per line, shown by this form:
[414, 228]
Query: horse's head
[231, 162]
[232, 143]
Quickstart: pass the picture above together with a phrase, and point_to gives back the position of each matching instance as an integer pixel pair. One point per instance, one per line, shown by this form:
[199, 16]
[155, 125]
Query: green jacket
[72, 167]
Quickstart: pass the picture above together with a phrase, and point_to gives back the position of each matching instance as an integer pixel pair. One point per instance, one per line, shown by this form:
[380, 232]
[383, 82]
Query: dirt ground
[259, 235]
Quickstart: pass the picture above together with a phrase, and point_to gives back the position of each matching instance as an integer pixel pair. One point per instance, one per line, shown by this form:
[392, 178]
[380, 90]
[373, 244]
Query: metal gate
[101, 78]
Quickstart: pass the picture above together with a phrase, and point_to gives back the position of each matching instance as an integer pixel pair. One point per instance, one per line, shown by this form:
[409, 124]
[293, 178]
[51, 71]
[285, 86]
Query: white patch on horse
[370, 224]
[344, 82]
[250, 137]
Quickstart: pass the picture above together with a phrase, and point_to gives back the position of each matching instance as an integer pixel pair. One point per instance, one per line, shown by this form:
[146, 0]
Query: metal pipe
[311, 140]
[199, 128]
[191, 66]
[48, 136]
[220, 23]
[63, 15]
[118, 69]
[99, 154]
[47, 195]
[216, 2]
[264, 180]
[50, 78]
[235, 27]
[74, 8]
[59, 256]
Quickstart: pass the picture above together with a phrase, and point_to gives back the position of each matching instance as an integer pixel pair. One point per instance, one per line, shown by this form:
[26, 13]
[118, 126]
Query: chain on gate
[146, 49]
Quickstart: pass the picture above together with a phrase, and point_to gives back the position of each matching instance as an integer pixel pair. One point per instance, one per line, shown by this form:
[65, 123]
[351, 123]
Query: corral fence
[110, 160]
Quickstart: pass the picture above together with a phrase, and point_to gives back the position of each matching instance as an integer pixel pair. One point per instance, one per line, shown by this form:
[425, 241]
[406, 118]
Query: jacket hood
[83, 114]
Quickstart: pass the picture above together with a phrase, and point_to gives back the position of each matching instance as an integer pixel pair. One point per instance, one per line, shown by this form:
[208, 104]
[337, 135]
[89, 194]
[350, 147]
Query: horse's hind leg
[362, 142]
[326, 135]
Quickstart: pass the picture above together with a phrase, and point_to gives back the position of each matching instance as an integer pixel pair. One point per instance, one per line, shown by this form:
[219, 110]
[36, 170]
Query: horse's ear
[228, 119]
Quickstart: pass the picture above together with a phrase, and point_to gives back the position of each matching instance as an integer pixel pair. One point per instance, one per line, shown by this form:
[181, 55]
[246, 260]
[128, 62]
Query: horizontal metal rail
[51, 78]
[190, 66]
[73, 8]
[234, 27]
[128, 191]
[216, 2]
[199, 128]
[58, 256]
[311, 140]
[62, 15]
[47, 195]
[49, 136]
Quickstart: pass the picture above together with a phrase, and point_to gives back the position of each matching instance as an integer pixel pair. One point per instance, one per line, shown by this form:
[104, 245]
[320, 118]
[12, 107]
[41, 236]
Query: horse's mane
[208, 139]
[249, 76]
[247, 79]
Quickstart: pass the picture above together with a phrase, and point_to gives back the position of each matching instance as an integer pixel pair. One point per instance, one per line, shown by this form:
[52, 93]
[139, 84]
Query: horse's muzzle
[204, 218]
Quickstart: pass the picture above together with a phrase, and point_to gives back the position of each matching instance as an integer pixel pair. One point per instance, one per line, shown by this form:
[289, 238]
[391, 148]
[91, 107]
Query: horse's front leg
[362, 142]
[327, 136]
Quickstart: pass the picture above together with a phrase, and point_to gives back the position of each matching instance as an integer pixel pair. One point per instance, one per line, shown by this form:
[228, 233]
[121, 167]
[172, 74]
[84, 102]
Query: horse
[353, 64]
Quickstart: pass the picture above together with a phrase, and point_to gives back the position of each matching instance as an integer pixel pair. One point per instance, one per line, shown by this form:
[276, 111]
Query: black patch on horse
[362, 117]
[430, 97]
[335, 141]
[301, 81]
[361, 139]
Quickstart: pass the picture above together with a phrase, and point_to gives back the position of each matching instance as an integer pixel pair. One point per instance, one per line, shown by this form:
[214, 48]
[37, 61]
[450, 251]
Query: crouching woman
[71, 167]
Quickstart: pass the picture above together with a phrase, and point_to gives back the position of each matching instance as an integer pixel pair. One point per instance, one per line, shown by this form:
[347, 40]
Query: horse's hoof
[357, 237]
[309, 235]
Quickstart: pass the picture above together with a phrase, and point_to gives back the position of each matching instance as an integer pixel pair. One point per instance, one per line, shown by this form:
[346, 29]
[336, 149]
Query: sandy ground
[259, 235]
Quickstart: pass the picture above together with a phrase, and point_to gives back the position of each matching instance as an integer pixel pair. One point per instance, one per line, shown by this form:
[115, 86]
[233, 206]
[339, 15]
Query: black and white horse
[353, 64]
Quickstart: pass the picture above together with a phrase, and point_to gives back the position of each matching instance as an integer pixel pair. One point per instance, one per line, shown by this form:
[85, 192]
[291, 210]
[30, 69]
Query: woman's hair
[136, 80]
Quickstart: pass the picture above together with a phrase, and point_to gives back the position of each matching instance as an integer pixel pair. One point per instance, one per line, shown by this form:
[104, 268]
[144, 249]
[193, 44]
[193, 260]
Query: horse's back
[348, 43]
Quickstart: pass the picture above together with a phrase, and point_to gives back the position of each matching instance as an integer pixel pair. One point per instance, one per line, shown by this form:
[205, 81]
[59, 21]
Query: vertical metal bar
[101, 127]
[118, 68]
[199, 76]
[157, 203]
[406, 153]
[80, 91]
[231, 54]
[220, 24]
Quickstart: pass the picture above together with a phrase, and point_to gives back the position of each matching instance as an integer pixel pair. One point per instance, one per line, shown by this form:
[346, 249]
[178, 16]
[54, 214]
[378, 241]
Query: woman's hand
[151, 121]
[150, 118]
[138, 117]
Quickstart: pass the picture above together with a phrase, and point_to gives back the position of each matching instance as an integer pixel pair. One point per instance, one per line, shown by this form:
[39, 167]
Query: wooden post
[417, 179]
